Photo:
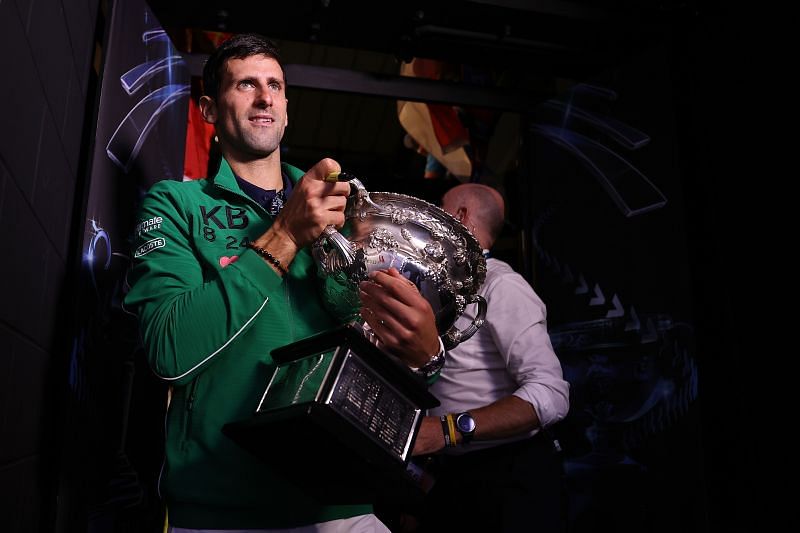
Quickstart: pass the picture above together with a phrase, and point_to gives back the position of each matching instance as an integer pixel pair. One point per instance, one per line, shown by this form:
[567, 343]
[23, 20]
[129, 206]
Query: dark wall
[611, 261]
[654, 440]
[47, 48]
[718, 83]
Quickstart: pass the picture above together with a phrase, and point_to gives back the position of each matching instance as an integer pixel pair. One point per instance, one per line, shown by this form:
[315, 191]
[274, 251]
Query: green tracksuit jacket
[211, 310]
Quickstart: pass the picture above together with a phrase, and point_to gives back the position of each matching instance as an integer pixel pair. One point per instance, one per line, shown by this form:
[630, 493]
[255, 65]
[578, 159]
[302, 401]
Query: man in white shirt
[497, 467]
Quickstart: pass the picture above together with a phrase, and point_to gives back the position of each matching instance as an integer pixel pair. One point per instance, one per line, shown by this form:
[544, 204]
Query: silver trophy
[424, 243]
[338, 388]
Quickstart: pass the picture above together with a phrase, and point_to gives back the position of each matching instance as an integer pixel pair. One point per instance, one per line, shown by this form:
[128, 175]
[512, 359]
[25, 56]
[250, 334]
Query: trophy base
[340, 417]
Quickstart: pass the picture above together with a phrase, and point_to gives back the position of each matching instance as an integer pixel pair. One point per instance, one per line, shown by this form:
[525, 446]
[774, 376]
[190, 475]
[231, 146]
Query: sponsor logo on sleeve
[148, 225]
[149, 246]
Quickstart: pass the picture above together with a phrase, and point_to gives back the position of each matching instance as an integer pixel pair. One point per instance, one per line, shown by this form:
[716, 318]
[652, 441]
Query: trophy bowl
[424, 243]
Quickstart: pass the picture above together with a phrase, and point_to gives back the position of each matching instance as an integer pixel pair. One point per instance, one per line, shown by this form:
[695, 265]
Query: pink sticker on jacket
[225, 261]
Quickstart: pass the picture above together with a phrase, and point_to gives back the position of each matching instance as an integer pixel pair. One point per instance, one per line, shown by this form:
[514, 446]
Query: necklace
[275, 201]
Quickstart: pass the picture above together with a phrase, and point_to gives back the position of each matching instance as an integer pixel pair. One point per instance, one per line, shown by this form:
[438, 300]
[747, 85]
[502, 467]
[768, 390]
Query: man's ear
[208, 108]
[286, 123]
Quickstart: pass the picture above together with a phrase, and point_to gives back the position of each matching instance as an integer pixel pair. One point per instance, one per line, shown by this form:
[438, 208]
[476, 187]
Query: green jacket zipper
[187, 415]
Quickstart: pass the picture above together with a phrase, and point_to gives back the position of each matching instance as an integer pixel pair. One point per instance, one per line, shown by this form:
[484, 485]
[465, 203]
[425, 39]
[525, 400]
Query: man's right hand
[314, 205]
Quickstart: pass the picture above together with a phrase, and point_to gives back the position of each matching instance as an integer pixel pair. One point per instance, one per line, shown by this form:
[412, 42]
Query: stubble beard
[257, 144]
[262, 145]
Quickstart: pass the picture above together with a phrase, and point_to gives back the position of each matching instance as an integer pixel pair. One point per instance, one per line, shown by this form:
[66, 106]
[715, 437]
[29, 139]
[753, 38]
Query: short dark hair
[237, 47]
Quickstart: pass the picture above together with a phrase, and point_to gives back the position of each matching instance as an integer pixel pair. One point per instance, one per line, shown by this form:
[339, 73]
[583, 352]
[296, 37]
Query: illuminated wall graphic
[630, 189]
[608, 240]
[139, 121]
[634, 371]
[127, 139]
[135, 77]
[99, 237]
[115, 411]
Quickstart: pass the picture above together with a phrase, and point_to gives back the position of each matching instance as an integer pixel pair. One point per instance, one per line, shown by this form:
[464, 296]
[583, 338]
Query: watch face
[465, 423]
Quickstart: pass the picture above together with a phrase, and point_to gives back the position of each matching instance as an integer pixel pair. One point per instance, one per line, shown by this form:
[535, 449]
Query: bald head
[480, 208]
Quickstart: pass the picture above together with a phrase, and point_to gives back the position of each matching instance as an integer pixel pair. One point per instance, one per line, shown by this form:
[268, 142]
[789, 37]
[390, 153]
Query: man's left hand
[400, 317]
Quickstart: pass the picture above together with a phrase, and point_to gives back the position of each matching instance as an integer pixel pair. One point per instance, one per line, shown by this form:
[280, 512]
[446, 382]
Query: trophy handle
[453, 337]
[332, 251]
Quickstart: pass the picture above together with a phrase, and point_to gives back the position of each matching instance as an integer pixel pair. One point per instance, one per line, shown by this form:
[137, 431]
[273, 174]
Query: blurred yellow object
[415, 117]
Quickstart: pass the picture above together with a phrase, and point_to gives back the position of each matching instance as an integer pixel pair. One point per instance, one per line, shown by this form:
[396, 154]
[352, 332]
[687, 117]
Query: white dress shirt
[510, 354]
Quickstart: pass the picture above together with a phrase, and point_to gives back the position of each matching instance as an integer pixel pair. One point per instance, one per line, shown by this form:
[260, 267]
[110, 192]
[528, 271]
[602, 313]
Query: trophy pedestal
[339, 416]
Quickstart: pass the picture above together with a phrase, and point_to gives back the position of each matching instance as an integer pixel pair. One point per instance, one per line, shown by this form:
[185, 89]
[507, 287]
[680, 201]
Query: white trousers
[367, 523]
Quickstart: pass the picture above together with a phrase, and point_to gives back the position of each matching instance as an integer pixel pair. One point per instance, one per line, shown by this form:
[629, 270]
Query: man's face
[250, 113]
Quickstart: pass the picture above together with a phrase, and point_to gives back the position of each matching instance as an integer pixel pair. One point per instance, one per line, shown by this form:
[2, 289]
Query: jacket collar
[226, 180]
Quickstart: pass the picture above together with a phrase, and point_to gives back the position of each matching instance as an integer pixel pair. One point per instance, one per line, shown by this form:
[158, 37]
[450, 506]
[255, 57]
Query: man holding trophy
[222, 275]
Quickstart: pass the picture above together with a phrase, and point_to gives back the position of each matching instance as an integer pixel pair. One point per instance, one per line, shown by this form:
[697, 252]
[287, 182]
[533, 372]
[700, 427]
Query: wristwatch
[465, 425]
